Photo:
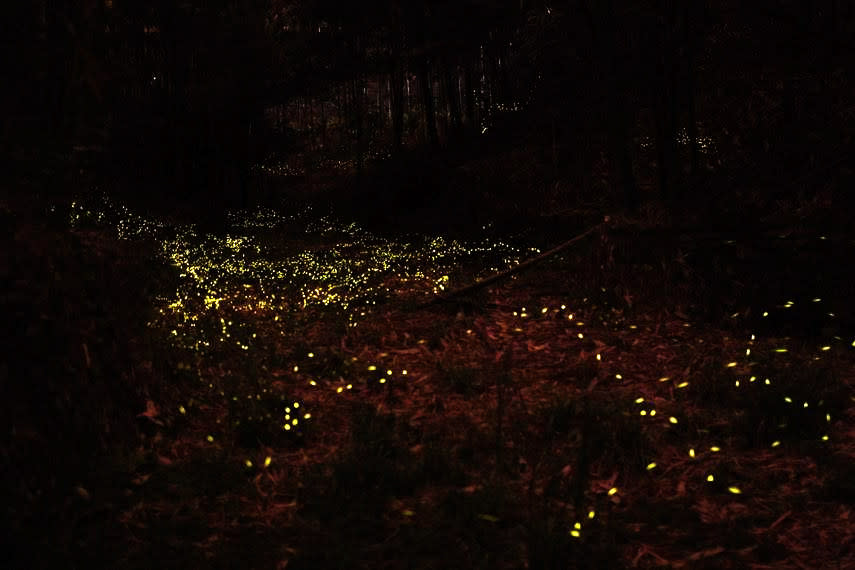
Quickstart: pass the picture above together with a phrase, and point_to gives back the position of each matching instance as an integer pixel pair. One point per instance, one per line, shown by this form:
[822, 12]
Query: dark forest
[428, 284]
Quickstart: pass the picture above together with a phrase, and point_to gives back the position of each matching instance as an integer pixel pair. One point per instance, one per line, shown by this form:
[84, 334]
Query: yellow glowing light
[182, 410]
[682, 384]
[652, 412]
[788, 400]
[651, 466]
[599, 357]
[575, 533]
[580, 335]
[388, 372]
[619, 376]
[747, 352]
[715, 449]
[339, 390]
[312, 383]
[731, 364]
[710, 478]
[210, 438]
[544, 310]
[765, 313]
[591, 514]
[577, 526]
[311, 355]
[248, 463]
[824, 438]
[382, 380]
[639, 400]
[735, 490]
[563, 307]
[664, 378]
[780, 350]
[826, 348]
[643, 412]
[350, 386]
[372, 368]
[287, 427]
[612, 491]
[692, 452]
[776, 443]
[296, 368]
[404, 372]
[672, 419]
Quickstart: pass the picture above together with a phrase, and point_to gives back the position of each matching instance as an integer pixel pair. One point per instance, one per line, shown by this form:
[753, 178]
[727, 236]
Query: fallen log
[481, 283]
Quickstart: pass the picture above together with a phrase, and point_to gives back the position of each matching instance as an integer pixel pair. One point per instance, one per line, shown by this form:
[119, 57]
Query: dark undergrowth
[637, 401]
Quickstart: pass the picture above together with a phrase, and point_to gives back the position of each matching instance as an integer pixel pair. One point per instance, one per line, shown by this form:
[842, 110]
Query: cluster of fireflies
[236, 291]
[238, 275]
[664, 411]
[228, 285]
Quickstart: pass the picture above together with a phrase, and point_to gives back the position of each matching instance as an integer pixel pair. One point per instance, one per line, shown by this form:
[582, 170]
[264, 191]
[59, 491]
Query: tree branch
[508, 272]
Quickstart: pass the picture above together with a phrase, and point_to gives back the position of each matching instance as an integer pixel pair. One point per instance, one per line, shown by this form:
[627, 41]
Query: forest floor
[281, 396]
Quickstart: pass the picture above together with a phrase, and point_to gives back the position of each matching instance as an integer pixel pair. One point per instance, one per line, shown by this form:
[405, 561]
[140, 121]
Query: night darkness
[427, 284]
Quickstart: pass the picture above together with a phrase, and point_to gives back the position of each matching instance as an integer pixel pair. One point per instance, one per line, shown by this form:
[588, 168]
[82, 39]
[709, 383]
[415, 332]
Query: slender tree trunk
[450, 84]
[427, 99]
[690, 29]
[504, 83]
[602, 18]
[323, 126]
[469, 96]
[313, 123]
[666, 103]
[396, 88]
[357, 96]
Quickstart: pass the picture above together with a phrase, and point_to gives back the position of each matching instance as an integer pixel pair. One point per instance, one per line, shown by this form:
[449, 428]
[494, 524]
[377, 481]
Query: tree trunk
[469, 96]
[690, 29]
[427, 99]
[356, 92]
[450, 84]
[666, 103]
[396, 88]
[602, 19]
